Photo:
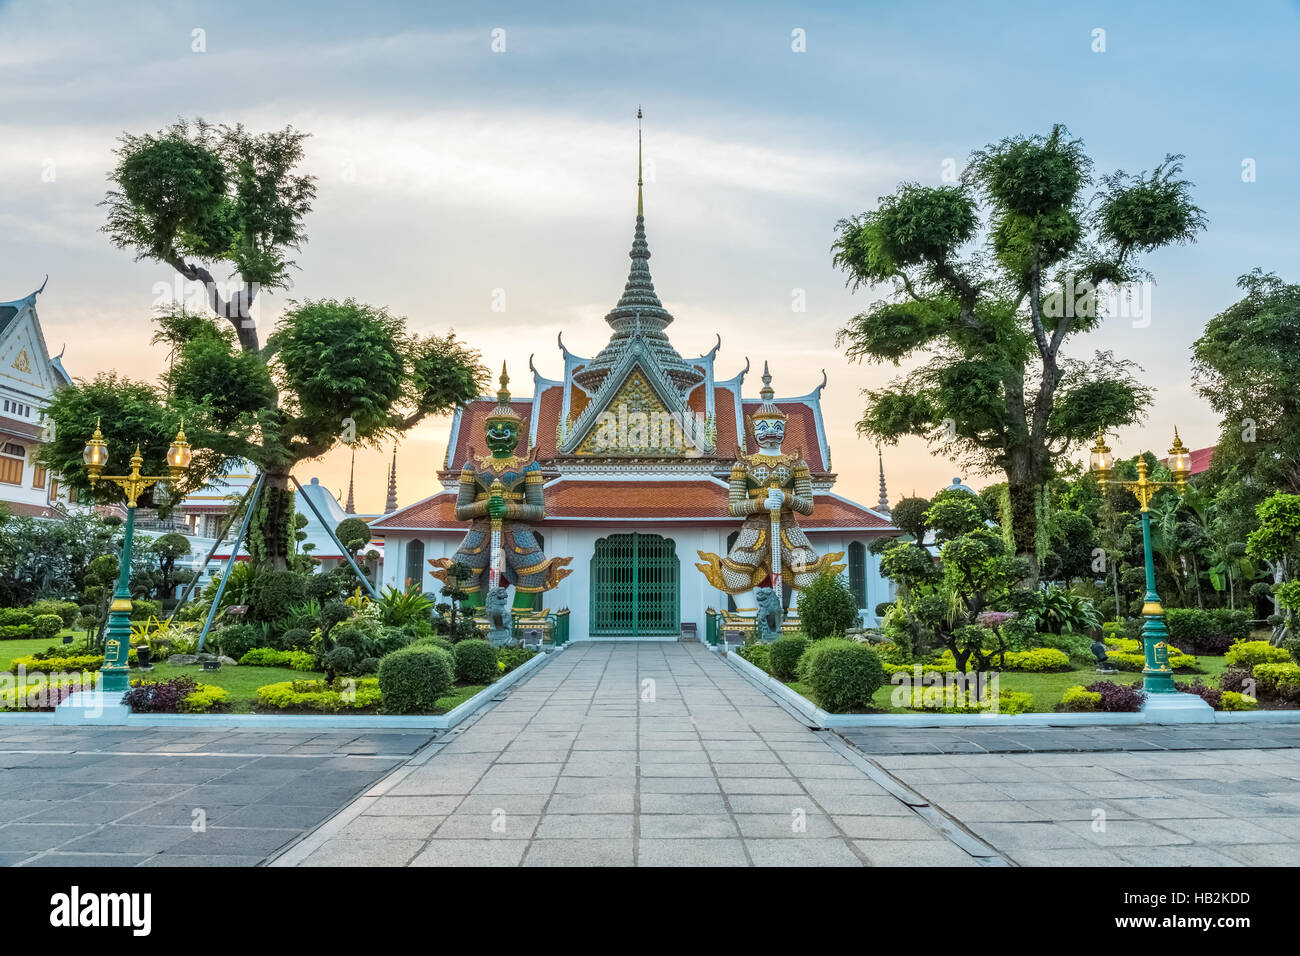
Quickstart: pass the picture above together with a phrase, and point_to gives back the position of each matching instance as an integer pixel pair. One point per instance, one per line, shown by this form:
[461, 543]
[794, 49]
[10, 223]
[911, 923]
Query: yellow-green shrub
[1231, 700]
[50, 665]
[1250, 653]
[204, 698]
[1079, 698]
[1135, 662]
[343, 694]
[1279, 678]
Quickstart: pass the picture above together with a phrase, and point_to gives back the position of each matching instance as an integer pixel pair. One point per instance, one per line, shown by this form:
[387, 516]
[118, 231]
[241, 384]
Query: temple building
[636, 447]
[29, 376]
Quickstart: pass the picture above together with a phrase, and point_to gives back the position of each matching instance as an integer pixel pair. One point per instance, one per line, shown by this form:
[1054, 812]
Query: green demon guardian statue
[768, 489]
[501, 494]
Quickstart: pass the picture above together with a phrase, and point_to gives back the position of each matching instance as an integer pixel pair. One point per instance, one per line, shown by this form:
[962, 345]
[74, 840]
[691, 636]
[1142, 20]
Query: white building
[28, 379]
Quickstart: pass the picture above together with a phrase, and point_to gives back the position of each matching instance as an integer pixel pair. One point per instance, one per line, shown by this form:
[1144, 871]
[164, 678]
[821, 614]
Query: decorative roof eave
[30, 298]
[637, 354]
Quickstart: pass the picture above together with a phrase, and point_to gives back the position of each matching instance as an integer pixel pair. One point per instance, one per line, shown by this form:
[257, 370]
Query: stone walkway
[177, 796]
[633, 754]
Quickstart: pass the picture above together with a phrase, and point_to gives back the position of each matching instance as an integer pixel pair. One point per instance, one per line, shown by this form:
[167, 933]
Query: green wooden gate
[634, 586]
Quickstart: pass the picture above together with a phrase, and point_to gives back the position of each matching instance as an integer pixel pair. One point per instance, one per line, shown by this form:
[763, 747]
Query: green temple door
[634, 587]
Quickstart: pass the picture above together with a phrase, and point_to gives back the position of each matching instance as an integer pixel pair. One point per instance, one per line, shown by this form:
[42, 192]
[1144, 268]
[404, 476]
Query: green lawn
[10, 651]
[240, 682]
[1047, 688]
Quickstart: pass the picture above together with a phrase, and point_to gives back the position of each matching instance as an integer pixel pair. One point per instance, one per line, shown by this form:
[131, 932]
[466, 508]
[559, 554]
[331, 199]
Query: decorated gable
[637, 423]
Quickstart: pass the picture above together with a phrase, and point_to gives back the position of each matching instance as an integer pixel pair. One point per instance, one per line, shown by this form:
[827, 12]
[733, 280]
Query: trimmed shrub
[142, 609]
[1277, 680]
[16, 632]
[236, 640]
[476, 662]
[443, 643]
[47, 626]
[413, 678]
[783, 655]
[1079, 698]
[177, 695]
[321, 695]
[1077, 646]
[841, 673]
[759, 655]
[66, 610]
[50, 665]
[273, 593]
[827, 607]
[511, 657]
[269, 657]
[1235, 701]
[16, 617]
[1250, 653]
[1137, 660]
[1117, 698]
[294, 639]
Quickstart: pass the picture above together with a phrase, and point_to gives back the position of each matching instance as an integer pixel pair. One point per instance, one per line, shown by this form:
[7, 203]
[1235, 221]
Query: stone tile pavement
[652, 754]
[177, 796]
[1120, 808]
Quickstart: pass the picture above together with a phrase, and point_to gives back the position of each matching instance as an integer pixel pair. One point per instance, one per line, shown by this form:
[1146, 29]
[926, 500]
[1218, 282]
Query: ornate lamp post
[1157, 675]
[117, 637]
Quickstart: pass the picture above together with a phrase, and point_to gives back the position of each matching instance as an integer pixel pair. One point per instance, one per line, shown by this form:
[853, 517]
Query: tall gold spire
[640, 205]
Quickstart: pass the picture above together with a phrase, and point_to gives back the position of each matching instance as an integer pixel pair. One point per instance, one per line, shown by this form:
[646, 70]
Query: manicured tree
[996, 390]
[168, 548]
[200, 198]
[1276, 542]
[1245, 368]
[909, 517]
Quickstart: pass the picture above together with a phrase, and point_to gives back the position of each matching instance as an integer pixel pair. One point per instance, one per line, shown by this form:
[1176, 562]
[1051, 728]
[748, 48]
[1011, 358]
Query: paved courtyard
[650, 754]
[177, 797]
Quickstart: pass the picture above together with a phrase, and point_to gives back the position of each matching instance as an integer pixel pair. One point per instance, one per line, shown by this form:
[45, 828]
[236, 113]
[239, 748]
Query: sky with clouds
[448, 171]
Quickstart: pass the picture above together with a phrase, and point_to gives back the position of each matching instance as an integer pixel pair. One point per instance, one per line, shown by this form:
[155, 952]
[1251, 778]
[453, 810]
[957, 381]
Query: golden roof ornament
[503, 411]
[768, 409]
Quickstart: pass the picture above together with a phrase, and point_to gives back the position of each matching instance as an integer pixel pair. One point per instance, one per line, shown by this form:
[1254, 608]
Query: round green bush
[273, 593]
[332, 612]
[784, 654]
[236, 640]
[827, 607]
[841, 673]
[434, 641]
[47, 625]
[413, 678]
[476, 662]
[142, 609]
[66, 610]
[294, 639]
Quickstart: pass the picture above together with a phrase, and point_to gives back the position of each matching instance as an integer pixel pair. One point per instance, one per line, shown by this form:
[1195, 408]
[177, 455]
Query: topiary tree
[200, 199]
[827, 607]
[909, 517]
[993, 387]
[168, 548]
[354, 534]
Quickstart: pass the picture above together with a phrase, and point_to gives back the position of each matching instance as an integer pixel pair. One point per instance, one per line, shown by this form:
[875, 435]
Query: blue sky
[448, 171]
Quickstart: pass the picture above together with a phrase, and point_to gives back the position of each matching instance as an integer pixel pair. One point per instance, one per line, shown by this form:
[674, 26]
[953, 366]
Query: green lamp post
[117, 636]
[1157, 675]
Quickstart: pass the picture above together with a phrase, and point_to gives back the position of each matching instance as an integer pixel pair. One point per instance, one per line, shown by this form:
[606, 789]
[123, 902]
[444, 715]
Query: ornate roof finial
[350, 507]
[503, 409]
[390, 505]
[882, 505]
[640, 205]
[768, 409]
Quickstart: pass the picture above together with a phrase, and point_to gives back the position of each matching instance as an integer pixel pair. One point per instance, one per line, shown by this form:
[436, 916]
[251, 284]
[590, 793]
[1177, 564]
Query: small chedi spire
[390, 505]
[769, 408]
[882, 505]
[351, 506]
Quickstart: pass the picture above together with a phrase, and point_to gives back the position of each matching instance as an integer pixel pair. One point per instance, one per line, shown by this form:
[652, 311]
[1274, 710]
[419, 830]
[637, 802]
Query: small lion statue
[770, 613]
[497, 604]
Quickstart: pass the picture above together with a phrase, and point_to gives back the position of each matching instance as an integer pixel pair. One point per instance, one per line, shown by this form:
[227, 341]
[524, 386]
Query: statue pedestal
[92, 707]
[1176, 708]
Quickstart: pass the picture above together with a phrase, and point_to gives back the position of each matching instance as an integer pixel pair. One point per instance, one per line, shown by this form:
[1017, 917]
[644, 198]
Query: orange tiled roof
[577, 499]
